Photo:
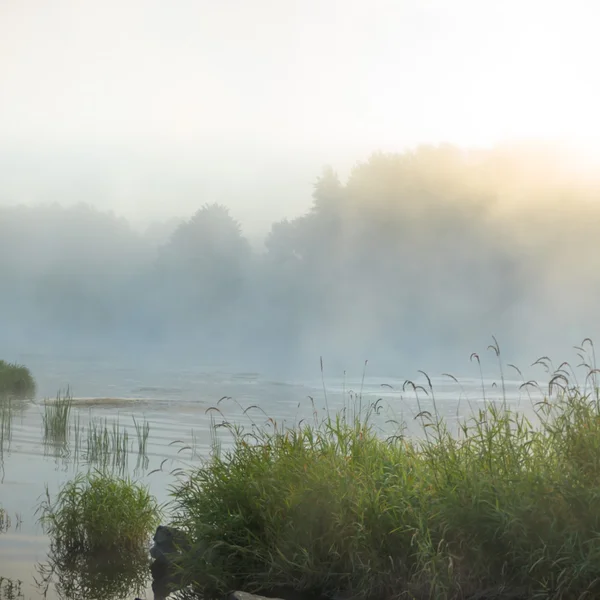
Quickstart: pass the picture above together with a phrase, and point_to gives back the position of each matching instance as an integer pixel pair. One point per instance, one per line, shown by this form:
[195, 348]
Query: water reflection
[11, 589]
[117, 575]
[9, 407]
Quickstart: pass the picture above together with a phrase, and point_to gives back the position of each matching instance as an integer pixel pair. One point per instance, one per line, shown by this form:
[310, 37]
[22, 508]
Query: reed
[56, 416]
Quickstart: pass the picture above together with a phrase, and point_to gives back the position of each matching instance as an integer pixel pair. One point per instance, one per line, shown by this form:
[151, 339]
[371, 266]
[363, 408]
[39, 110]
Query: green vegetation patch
[16, 380]
[503, 508]
[97, 512]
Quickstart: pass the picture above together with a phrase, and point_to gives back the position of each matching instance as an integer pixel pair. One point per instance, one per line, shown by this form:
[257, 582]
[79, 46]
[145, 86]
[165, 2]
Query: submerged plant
[97, 512]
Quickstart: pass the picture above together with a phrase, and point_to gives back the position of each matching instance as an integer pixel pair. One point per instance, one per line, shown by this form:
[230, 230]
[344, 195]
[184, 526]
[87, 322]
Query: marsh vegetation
[16, 381]
[100, 443]
[498, 499]
[505, 506]
[96, 512]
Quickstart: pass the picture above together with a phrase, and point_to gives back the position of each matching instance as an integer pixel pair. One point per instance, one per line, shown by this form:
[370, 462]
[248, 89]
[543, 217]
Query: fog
[257, 184]
[414, 260]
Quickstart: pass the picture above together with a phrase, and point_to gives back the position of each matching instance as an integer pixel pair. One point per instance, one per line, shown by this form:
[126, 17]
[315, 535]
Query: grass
[97, 512]
[6, 417]
[56, 416]
[107, 445]
[16, 380]
[504, 507]
[101, 444]
[142, 431]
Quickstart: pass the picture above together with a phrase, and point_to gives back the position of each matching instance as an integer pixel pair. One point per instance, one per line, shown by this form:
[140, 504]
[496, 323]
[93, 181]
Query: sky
[147, 106]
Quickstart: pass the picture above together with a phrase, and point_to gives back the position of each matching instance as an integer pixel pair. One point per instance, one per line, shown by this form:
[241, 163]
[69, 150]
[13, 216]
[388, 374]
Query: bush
[504, 508]
[16, 380]
[97, 512]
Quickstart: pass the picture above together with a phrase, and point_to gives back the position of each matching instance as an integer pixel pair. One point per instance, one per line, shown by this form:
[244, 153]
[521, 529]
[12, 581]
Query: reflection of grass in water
[11, 589]
[100, 576]
[4, 521]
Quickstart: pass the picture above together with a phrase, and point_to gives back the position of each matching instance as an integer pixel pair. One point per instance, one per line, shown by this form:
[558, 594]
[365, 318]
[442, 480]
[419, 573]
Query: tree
[204, 267]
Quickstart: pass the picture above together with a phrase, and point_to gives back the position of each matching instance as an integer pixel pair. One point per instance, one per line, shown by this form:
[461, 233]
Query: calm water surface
[174, 402]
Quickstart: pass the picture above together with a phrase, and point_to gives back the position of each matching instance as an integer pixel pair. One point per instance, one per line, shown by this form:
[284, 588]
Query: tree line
[414, 257]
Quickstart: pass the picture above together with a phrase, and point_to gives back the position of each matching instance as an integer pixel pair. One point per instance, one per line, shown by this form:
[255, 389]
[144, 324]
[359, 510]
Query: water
[176, 403]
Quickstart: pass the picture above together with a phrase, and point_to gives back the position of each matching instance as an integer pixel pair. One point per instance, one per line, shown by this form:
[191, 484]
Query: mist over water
[412, 261]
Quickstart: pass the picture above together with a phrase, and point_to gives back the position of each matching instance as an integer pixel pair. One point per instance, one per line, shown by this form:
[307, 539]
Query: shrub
[16, 380]
[97, 512]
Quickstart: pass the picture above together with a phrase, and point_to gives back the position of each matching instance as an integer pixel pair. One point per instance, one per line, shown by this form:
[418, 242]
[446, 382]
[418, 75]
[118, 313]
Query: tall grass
[97, 512]
[142, 431]
[107, 445]
[505, 507]
[4, 521]
[16, 380]
[6, 419]
[55, 418]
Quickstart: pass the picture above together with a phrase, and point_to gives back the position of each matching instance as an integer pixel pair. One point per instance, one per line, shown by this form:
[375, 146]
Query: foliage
[505, 507]
[16, 380]
[97, 512]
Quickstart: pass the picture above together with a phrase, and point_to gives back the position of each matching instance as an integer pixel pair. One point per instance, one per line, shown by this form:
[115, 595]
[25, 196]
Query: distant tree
[205, 265]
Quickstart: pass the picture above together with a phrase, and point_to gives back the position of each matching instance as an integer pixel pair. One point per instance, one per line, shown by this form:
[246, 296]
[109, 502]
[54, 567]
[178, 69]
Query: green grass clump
[96, 512]
[16, 380]
[106, 445]
[55, 418]
[504, 508]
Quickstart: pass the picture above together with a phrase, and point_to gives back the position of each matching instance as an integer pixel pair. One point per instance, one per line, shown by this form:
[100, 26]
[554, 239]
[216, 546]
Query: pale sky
[332, 79]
